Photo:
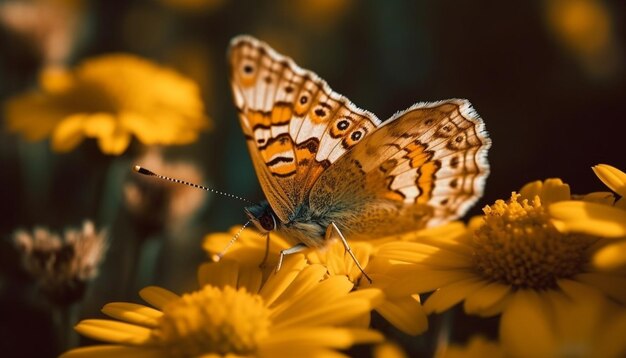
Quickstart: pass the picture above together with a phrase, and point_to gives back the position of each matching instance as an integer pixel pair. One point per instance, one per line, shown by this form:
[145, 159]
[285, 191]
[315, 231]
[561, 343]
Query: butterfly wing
[294, 124]
[426, 165]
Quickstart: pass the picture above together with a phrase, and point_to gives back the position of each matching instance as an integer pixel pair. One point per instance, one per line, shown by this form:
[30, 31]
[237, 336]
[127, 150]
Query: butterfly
[329, 168]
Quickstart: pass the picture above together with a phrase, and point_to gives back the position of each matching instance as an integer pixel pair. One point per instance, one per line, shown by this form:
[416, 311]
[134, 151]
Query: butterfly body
[324, 163]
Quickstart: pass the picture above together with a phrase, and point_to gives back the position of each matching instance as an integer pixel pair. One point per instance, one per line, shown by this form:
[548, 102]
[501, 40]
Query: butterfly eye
[267, 221]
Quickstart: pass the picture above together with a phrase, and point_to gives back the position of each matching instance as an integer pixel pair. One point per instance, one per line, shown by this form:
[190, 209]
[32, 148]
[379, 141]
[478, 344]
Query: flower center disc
[519, 246]
[214, 320]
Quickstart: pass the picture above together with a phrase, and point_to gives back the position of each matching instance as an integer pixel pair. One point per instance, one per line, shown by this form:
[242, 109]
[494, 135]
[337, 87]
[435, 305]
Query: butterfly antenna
[144, 171]
[217, 257]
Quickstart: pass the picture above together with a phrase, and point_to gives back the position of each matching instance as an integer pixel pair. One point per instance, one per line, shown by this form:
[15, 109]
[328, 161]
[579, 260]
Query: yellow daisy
[111, 98]
[400, 308]
[513, 247]
[599, 214]
[235, 314]
[575, 322]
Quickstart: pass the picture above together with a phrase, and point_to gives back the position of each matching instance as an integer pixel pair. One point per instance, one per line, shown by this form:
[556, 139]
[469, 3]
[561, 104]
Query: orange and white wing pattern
[428, 160]
[294, 124]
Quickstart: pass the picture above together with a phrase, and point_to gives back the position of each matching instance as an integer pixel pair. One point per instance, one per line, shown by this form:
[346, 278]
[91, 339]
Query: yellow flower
[514, 247]
[477, 347]
[585, 28]
[402, 309]
[576, 322]
[111, 98]
[601, 215]
[235, 314]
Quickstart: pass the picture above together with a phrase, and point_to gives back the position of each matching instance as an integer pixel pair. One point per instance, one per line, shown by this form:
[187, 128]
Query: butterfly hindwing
[295, 125]
[424, 166]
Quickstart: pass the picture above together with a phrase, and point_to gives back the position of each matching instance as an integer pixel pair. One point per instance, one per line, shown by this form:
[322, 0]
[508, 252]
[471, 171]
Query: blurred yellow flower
[477, 347]
[388, 350]
[236, 314]
[585, 29]
[599, 214]
[319, 15]
[401, 308]
[577, 322]
[111, 98]
[512, 248]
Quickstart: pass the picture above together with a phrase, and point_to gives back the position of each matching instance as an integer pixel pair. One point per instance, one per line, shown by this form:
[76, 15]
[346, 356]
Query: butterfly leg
[292, 250]
[329, 233]
[267, 251]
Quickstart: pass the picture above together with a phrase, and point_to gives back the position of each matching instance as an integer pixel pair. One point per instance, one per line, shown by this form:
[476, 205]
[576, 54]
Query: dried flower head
[157, 203]
[62, 266]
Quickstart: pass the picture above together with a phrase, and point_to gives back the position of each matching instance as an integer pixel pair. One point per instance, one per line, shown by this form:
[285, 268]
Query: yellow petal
[157, 296]
[432, 256]
[611, 342]
[272, 351]
[55, 80]
[308, 278]
[320, 337]
[326, 314]
[550, 191]
[525, 326]
[422, 281]
[613, 285]
[218, 274]
[406, 314]
[612, 177]
[133, 313]
[485, 298]
[279, 281]
[530, 190]
[600, 197]
[388, 350]
[451, 294]
[68, 133]
[99, 124]
[31, 114]
[107, 351]
[114, 143]
[114, 331]
[334, 289]
[589, 218]
[554, 190]
[250, 278]
[611, 257]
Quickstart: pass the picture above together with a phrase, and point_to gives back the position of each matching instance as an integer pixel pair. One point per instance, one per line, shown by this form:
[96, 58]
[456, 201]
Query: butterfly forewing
[295, 125]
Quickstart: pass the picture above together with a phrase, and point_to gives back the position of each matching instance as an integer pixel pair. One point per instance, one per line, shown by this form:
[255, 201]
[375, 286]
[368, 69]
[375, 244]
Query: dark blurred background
[547, 77]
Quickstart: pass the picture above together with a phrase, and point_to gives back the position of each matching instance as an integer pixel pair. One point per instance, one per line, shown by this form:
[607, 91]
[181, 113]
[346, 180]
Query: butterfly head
[262, 216]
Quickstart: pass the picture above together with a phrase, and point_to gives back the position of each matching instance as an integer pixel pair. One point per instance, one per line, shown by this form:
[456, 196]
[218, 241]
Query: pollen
[518, 245]
[214, 321]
